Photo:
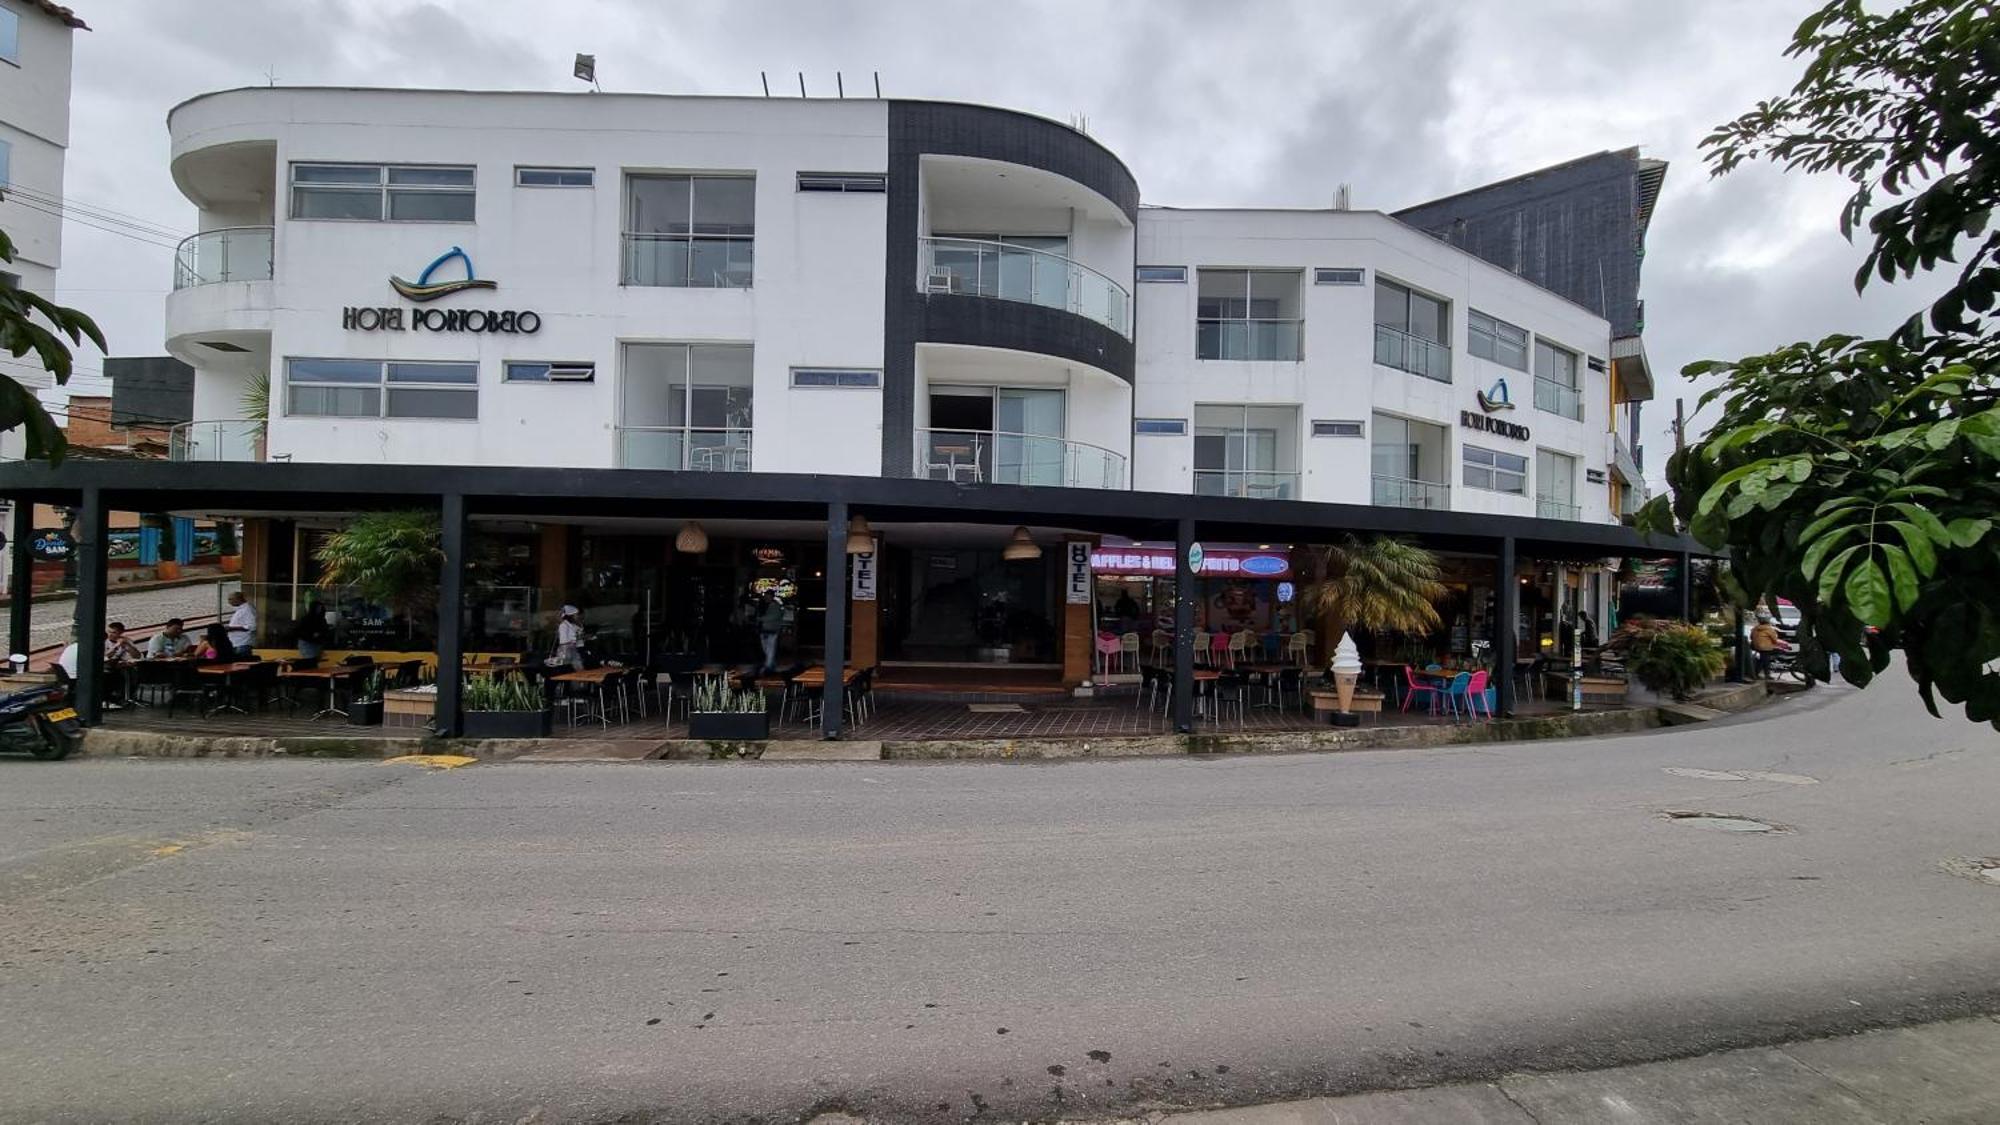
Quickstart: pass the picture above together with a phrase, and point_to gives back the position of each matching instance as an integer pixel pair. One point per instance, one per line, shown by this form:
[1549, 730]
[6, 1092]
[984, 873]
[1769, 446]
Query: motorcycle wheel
[54, 746]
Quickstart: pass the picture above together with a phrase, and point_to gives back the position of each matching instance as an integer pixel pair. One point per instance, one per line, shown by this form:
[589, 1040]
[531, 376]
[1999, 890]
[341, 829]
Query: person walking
[1766, 642]
[569, 639]
[242, 623]
[770, 623]
[313, 631]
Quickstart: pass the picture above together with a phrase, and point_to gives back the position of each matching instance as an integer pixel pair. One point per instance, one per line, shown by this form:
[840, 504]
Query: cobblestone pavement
[52, 618]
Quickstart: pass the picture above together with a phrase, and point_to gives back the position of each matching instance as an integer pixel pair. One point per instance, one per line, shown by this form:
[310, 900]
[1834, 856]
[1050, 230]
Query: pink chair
[1412, 687]
[1475, 696]
[1108, 648]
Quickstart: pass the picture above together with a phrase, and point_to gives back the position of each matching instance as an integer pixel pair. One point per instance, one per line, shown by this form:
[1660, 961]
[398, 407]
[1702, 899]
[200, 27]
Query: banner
[861, 580]
[1077, 581]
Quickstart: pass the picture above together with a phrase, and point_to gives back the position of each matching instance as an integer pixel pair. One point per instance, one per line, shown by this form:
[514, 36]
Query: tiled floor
[893, 721]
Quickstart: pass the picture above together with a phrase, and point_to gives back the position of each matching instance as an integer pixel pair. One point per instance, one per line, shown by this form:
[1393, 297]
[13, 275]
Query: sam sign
[1077, 579]
[861, 583]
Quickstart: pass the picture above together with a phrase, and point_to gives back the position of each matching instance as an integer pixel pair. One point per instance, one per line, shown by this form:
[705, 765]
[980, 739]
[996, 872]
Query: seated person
[216, 647]
[171, 640]
[118, 649]
[1764, 639]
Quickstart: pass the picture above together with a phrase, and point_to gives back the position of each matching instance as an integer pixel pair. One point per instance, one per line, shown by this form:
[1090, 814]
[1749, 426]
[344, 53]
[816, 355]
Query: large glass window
[1412, 331]
[1407, 462]
[372, 388]
[1489, 337]
[10, 35]
[1246, 451]
[1248, 314]
[6, 161]
[1556, 387]
[1555, 485]
[1494, 471]
[401, 193]
[696, 232]
[686, 406]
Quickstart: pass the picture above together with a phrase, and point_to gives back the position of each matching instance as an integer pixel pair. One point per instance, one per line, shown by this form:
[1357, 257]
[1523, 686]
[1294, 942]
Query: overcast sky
[1259, 102]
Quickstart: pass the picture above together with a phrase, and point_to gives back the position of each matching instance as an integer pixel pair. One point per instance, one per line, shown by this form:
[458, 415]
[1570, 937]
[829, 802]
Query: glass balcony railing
[1556, 510]
[1016, 273]
[1414, 354]
[1402, 492]
[719, 450]
[1256, 484]
[1278, 340]
[687, 262]
[223, 254]
[1558, 399]
[989, 457]
[216, 441]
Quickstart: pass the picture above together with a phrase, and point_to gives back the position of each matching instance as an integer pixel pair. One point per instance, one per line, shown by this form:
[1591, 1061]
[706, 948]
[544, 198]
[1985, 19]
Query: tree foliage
[390, 558]
[1857, 478]
[1382, 583]
[31, 323]
[1670, 656]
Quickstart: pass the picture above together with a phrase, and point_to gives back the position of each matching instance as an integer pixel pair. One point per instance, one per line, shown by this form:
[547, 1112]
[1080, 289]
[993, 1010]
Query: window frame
[589, 174]
[507, 367]
[1250, 273]
[1474, 335]
[382, 386]
[1328, 428]
[6, 163]
[1493, 469]
[1164, 275]
[843, 183]
[688, 238]
[1159, 427]
[844, 378]
[1573, 385]
[12, 20]
[1326, 275]
[384, 188]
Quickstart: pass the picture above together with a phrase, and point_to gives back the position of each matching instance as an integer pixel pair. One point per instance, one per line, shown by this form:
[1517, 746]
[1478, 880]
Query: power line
[81, 221]
[108, 214]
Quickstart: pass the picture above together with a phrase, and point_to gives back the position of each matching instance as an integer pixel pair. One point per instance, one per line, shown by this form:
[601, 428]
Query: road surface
[299, 941]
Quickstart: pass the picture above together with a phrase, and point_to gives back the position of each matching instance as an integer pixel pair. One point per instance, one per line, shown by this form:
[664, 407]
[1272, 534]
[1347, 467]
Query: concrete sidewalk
[1930, 1074]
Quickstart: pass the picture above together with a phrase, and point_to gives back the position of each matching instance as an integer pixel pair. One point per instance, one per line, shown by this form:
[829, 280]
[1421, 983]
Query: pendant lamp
[1021, 547]
[860, 540]
[692, 540]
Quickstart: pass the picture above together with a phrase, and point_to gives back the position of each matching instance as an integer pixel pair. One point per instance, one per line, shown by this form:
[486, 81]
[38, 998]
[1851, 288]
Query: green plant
[713, 695]
[1383, 584]
[487, 693]
[256, 401]
[1669, 656]
[390, 558]
[368, 689]
[21, 334]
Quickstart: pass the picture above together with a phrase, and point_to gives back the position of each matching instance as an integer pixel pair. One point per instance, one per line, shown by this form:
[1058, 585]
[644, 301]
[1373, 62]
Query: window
[1171, 427]
[10, 35]
[1491, 338]
[1242, 450]
[1555, 485]
[685, 406]
[370, 388]
[1495, 471]
[1326, 276]
[554, 177]
[835, 377]
[534, 371]
[9, 280]
[1412, 331]
[1247, 314]
[1409, 463]
[6, 161]
[1556, 388]
[397, 193]
[696, 232]
[1338, 428]
[1177, 274]
[873, 182]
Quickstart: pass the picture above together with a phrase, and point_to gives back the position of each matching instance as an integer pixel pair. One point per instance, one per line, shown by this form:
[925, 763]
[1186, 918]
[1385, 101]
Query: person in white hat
[569, 639]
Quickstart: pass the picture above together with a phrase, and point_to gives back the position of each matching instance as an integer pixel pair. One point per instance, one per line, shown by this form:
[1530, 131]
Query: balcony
[993, 457]
[1414, 354]
[720, 450]
[1254, 484]
[1556, 510]
[977, 268]
[1402, 492]
[236, 440]
[1555, 398]
[223, 254]
[1274, 340]
[682, 261]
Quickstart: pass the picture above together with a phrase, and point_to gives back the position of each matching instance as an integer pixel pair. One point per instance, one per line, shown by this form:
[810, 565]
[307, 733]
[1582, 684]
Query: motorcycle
[40, 721]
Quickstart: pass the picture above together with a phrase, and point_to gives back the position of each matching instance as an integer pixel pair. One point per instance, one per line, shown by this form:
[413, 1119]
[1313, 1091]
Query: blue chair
[1457, 693]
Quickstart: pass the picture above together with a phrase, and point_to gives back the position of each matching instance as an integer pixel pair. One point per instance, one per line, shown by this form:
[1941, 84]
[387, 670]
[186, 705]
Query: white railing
[1556, 510]
[223, 254]
[1414, 354]
[718, 450]
[996, 457]
[1558, 399]
[1016, 273]
[684, 261]
[235, 440]
[1255, 484]
[1402, 492]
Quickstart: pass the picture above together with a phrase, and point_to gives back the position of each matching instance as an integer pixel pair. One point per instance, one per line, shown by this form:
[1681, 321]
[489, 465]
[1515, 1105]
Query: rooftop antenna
[802, 83]
[270, 76]
[586, 70]
[1080, 123]
[839, 86]
[1343, 197]
[878, 83]
[766, 80]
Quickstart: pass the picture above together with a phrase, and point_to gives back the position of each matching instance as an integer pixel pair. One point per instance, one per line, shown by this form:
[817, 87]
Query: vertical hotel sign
[861, 576]
[1077, 577]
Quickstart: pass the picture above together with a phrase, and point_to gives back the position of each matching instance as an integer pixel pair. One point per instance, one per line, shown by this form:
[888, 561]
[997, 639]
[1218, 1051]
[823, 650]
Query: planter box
[509, 724]
[731, 725]
[367, 714]
[409, 709]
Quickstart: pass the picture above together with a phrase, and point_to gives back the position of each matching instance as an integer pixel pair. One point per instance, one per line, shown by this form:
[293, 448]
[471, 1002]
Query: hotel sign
[862, 582]
[1490, 425]
[391, 318]
[1077, 585]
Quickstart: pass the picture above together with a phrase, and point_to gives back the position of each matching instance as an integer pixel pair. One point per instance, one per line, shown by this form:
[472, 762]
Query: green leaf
[1801, 470]
[1819, 526]
[1816, 554]
[1839, 502]
[1902, 576]
[1919, 544]
[1966, 532]
[1868, 593]
[1922, 517]
[1829, 578]
[1942, 434]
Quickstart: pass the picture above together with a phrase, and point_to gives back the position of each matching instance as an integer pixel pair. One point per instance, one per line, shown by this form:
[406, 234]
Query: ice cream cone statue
[1346, 673]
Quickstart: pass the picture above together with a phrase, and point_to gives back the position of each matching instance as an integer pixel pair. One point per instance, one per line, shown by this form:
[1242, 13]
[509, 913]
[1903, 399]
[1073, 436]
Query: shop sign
[1286, 592]
[1079, 585]
[862, 575]
[1485, 424]
[1222, 562]
[1497, 399]
[51, 546]
[769, 556]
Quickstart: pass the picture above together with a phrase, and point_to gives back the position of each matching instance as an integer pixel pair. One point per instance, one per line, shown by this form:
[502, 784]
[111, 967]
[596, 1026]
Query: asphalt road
[293, 941]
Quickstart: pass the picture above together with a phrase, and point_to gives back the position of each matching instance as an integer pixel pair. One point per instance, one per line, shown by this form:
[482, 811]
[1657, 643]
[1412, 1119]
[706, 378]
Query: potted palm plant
[389, 559]
[496, 708]
[1383, 584]
[365, 709]
[719, 711]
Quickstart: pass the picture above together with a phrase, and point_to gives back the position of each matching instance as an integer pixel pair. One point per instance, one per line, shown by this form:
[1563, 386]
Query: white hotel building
[951, 319]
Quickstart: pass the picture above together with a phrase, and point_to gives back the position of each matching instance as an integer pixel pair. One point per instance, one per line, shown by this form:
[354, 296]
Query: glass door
[1028, 448]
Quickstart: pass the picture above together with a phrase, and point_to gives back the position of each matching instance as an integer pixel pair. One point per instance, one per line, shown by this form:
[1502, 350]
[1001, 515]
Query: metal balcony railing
[1414, 354]
[684, 261]
[223, 254]
[994, 457]
[1556, 510]
[1402, 492]
[235, 440]
[1556, 398]
[1278, 340]
[979, 268]
[1256, 484]
[700, 450]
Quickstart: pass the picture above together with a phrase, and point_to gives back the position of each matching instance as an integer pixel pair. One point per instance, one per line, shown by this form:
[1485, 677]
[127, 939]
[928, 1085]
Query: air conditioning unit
[939, 281]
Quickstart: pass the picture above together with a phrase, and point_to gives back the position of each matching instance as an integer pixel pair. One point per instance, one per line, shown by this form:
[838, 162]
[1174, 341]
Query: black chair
[1290, 680]
[357, 658]
[1230, 690]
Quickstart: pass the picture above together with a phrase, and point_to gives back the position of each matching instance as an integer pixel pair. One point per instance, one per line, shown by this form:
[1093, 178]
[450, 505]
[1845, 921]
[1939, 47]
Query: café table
[227, 673]
[594, 680]
[330, 678]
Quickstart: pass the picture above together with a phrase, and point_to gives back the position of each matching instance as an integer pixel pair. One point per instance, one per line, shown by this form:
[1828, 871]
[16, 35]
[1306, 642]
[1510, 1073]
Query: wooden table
[225, 672]
[815, 677]
[586, 675]
[330, 676]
